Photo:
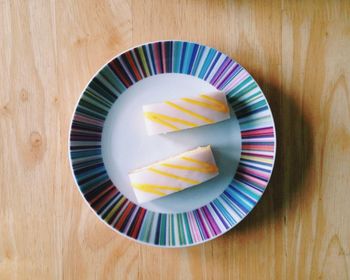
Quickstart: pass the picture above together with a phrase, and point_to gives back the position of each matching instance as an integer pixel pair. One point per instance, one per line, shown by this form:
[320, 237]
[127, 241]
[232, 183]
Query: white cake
[186, 113]
[174, 174]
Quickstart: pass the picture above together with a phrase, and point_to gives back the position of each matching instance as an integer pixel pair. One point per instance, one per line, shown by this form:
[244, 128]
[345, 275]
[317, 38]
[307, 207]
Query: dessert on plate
[173, 174]
[187, 112]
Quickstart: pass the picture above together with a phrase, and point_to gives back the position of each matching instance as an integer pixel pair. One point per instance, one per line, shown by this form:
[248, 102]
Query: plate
[108, 139]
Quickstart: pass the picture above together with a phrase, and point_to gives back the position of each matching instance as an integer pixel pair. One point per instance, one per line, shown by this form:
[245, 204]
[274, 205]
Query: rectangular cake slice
[188, 112]
[174, 174]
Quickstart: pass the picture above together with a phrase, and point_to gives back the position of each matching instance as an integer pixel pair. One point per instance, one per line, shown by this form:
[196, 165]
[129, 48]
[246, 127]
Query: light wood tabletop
[299, 53]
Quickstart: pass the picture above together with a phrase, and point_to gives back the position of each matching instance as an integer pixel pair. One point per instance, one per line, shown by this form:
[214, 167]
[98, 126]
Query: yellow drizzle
[213, 103]
[154, 189]
[207, 169]
[165, 120]
[198, 116]
[206, 165]
[171, 175]
[212, 99]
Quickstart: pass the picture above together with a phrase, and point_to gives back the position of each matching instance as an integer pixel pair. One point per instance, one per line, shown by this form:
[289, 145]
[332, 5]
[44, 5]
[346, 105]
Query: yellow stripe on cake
[187, 112]
[154, 189]
[173, 174]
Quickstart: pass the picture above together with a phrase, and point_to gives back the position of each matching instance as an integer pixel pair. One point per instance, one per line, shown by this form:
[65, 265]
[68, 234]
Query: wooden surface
[298, 51]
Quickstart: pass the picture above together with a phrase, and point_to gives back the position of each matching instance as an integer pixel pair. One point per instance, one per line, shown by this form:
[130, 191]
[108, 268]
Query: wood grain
[299, 54]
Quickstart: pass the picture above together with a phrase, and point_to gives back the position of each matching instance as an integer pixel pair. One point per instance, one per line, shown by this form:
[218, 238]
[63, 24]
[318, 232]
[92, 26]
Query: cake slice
[174, 174]
[188, 112]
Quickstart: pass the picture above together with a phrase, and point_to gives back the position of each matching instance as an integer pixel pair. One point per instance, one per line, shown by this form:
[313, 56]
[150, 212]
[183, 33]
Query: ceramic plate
[108, 139]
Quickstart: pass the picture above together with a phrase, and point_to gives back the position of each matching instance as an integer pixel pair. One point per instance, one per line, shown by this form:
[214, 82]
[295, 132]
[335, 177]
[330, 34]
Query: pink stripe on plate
[81, 118]
[259, 182]
[194, 228]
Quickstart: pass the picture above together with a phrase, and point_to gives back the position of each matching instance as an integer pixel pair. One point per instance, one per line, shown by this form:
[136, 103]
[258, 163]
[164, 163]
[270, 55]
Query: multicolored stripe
[257, 131]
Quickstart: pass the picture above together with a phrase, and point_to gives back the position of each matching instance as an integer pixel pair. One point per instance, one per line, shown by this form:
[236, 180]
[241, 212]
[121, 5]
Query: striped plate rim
[257, 133]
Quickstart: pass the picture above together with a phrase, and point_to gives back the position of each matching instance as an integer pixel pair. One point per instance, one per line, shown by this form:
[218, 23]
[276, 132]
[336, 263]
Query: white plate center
[126, 145]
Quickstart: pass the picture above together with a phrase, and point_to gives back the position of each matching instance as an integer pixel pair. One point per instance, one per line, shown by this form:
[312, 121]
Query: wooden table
[300, 55]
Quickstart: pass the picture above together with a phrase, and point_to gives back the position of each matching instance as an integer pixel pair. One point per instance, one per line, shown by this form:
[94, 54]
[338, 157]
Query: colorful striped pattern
[258, 144]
